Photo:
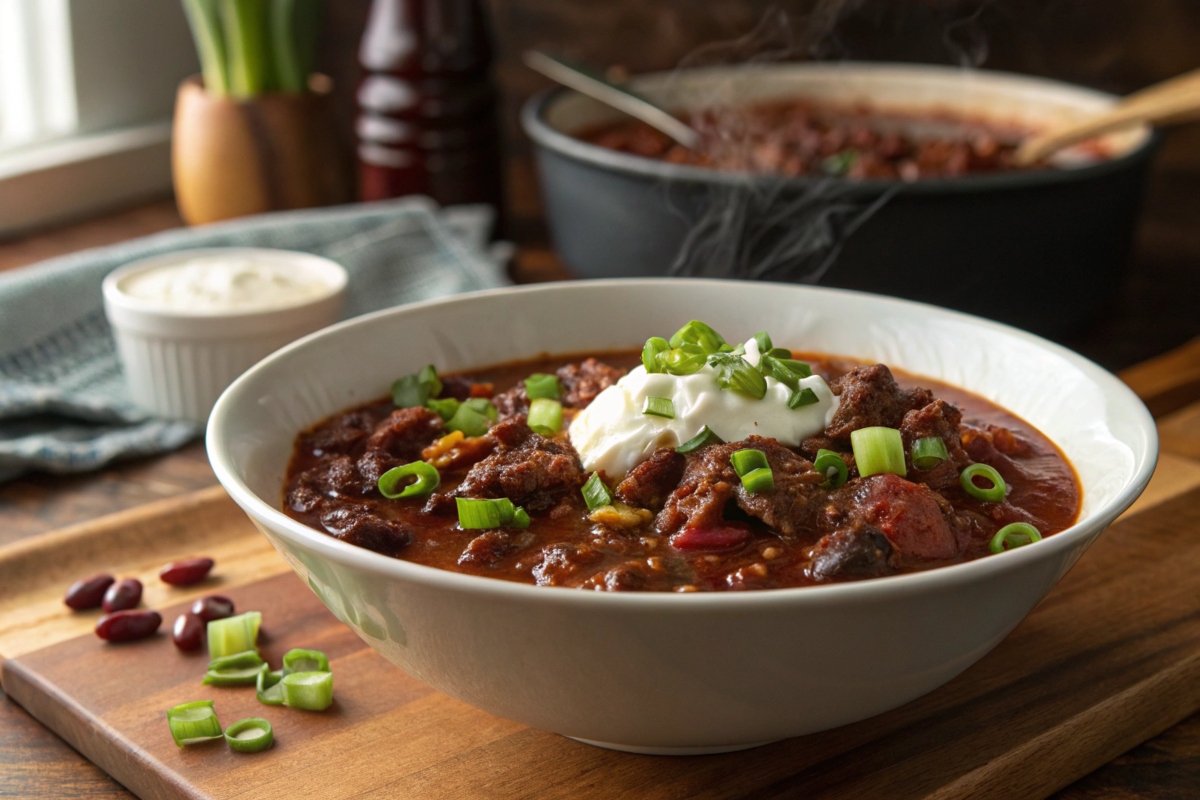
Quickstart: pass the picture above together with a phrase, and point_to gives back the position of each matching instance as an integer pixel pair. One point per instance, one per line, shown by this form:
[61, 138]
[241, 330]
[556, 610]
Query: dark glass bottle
[427, 121]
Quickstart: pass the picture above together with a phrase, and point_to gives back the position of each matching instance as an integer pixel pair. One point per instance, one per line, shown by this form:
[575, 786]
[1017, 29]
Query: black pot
[1041, 250]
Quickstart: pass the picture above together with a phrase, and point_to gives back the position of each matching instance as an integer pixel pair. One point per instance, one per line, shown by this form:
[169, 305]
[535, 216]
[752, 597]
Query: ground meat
[937, 419]
[398, 440]
[630, 576]
[512, 401]
[582, 382]
[854, 552]
[709, 482]
[649, 483]
[361, 527]
[909, 514]
[531, 470]
[869, 397]
[488, 548]
[561, 562]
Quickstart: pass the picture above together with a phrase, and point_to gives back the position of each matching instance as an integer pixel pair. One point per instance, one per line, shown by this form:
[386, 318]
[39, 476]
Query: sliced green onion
[469, 421]
[759, 481]
[652, 353]
[393, 484]
[878, 450]
[702, 439]
[310, 691]
[746, 461]
[298, 660]
[446, 408]
[246, 658]
[233, 635]
[542, 385]
[735, 373]
[232, 676]
[267, 686]
[683, 361]
[192, 723]
[250, 735]
[1016, 534]
[697, 333]
[521, 518]
[475, 514]
[415, 390]
[801, 398]
[545, 416]
[483, 406]
[763, 340]
[993, 494]
[833, 467]
[659, 407]
[595, 493]
[778, 352]
[927, 453]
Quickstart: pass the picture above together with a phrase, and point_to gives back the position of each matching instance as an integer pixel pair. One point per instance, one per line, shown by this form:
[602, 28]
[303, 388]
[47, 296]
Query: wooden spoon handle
[1168, 103]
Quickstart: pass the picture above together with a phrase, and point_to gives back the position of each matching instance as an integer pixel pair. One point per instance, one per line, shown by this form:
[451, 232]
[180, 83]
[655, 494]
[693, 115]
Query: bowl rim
[851, 592]
[534, 123]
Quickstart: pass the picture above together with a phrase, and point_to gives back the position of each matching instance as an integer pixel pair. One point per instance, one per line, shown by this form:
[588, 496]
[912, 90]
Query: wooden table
[35, 763]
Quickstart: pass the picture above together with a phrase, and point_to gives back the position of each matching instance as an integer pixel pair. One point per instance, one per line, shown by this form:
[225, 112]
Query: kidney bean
[215, 606]
[88, 593]
[126, 626]
[125, 593]
[188, 632]
[186, 572]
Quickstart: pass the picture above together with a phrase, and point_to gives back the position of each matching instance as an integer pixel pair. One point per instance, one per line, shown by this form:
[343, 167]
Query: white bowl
[670, 673]
[177, 361]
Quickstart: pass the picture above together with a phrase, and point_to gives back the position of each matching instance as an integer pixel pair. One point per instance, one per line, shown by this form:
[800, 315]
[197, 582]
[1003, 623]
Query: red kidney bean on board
[127, 626]
[125, 593]
[188, 632]
[186, 572]
[215, 606]
[88, 593]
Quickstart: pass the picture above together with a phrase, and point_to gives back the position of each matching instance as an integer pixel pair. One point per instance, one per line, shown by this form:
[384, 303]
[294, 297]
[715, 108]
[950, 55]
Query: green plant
[248, 47]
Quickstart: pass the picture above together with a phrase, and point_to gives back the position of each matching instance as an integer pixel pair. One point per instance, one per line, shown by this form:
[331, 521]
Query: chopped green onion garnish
[192, 723]
[1016, 534]
[746, 461]
[652, 353]
[927, 453]
[759, 481]
[545, 416]
[595, 493]
[475, 514]
[415, 390]
[779, 352]
[394, 484]
[878, 450]
[697, 333]
[483, 406]
[735, 372]
[267, 686]
[659, 407]
[304, 661]
[542, 385]
[469, 421]
[233, 635]
[801, 398]
[250, 735]
[310, 691]
[683, 361]
[833, 467]
[246, 658]
[702, 439]
[445, 408]
[763, 340]
[994, 494]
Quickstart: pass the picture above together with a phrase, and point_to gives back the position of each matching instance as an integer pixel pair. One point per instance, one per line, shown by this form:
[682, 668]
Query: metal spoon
[621, 99]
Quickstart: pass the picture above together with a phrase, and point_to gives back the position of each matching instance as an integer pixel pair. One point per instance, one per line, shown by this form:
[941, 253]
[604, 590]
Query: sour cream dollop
[612, 434]
[223, 283]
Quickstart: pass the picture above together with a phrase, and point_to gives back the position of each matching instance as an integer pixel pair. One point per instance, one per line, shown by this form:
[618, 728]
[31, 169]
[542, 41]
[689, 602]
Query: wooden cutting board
[1108, 660]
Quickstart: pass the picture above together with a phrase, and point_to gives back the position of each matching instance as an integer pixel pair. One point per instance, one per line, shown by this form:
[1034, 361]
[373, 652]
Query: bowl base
[673, 751]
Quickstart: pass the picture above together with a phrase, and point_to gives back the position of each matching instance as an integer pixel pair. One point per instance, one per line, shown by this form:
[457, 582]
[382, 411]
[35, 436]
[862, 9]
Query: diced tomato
[725, 536]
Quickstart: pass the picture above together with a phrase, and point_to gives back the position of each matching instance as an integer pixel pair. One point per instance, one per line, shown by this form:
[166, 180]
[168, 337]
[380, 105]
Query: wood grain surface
[1109, 659]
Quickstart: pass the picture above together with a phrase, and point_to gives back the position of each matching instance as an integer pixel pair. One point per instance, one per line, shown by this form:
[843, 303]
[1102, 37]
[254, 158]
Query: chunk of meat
[360, 526]
[398, 440]
[530, 469]
[908, 514]
[858, 551]
[582, 382]
[559, 563]
[332, 476]
[340, 435]
[941, 420]
[869, 397]
[487, 549]
[630, 576]
[648, 484]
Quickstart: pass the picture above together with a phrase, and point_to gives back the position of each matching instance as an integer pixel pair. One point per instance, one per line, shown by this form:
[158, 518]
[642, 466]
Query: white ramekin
[178, 361]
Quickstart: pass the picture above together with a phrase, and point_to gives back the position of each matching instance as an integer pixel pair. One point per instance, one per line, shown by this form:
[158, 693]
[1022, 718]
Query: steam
[966, 38]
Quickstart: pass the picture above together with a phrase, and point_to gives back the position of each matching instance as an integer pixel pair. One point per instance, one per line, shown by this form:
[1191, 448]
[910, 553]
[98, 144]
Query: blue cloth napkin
[63, 402]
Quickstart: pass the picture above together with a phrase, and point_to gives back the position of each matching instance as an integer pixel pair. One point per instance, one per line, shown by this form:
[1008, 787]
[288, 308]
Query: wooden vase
[232, 158]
